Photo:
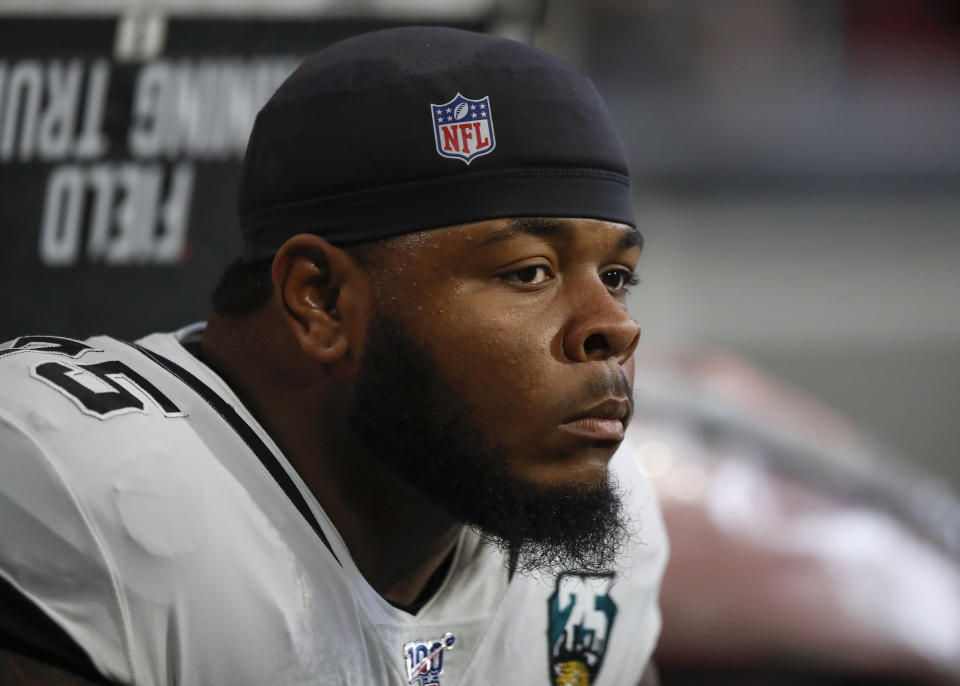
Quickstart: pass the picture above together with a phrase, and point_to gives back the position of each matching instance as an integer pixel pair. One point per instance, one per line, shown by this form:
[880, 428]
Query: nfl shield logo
[463, 128]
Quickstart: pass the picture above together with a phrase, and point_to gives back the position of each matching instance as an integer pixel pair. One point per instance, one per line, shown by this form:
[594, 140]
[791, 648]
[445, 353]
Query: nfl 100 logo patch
[463, 128]
[425, 660]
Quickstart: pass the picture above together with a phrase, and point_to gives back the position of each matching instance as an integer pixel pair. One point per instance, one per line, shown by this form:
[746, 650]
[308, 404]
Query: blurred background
[797, 174]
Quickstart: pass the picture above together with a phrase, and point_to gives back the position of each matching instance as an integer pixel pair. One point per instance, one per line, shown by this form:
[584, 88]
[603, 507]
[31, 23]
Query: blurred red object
[798, 547]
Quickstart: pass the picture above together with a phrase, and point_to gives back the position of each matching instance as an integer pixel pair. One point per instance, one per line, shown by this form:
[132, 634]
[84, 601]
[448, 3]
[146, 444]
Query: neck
[396, 538]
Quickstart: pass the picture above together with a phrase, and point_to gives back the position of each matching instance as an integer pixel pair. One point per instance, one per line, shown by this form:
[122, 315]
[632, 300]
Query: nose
[600, 329]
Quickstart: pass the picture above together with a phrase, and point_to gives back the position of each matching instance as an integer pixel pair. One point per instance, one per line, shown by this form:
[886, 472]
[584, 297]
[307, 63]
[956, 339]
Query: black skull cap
[415, 128]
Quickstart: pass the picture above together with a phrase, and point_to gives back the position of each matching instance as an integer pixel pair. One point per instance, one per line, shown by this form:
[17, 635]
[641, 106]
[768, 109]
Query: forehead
[477, 236]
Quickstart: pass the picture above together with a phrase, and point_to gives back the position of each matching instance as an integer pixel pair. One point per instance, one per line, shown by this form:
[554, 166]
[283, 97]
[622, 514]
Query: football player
[389, 456]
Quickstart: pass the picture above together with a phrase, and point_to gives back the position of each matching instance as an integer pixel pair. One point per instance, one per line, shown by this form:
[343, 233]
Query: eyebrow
[631, 238]
[545, 226]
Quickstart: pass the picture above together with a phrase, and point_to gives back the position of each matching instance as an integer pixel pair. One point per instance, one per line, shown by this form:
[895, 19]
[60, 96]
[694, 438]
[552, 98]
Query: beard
[420, 429]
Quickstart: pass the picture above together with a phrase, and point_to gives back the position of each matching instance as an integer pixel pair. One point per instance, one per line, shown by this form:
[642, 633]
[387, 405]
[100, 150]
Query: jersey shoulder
[47, 537]
[119, 473]
[76, 418]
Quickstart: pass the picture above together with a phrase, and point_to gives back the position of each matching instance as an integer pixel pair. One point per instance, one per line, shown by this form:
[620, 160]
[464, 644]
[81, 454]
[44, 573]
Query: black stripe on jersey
[249, 436]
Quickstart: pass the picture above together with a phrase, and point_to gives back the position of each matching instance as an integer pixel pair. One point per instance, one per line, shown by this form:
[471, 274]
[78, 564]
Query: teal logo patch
[581, 614]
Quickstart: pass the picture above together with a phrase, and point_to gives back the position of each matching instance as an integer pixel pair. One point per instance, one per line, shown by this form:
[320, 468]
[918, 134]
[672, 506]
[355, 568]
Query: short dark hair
[245, 287]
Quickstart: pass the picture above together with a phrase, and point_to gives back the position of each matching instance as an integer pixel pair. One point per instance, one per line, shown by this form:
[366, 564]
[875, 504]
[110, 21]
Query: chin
[588, 469]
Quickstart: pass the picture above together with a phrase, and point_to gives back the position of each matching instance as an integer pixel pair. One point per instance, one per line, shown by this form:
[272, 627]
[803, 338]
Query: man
[387, 457]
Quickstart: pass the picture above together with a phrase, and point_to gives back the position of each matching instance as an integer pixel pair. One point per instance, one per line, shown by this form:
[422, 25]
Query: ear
[323, 296]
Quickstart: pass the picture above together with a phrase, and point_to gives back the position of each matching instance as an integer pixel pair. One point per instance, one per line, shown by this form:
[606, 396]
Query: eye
[533, 275]
[618, 279]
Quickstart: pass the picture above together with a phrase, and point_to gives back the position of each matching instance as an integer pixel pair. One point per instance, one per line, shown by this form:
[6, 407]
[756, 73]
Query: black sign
[118, 177]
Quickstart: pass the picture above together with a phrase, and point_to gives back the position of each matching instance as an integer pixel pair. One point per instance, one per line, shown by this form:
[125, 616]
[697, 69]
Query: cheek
[500, 363]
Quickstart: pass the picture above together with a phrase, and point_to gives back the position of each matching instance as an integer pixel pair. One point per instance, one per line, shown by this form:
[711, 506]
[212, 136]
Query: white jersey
[147, 513]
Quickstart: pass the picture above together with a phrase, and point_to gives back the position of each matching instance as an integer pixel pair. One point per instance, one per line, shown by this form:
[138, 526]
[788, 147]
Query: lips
[605, 421]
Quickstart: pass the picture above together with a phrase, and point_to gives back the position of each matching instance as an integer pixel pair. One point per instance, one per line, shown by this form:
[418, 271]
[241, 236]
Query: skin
[523, 354]
[528, 320]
